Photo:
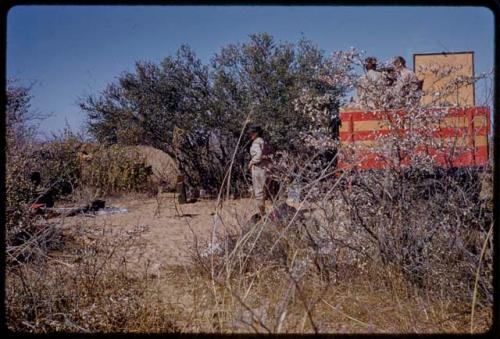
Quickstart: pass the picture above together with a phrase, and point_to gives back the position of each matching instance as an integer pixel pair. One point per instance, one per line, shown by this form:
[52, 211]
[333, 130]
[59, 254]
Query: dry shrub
[424, 219]
[20, 222]
[116, 169]
[430, 229]
[287, 236]
[105, 170]
[57, 160]
[18, 192]
[91, 288]
[413, 225]
[25, 232]
[360, 300]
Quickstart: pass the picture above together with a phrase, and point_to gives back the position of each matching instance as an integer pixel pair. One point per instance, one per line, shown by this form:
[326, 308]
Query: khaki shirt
[406, 80]
[369, 87]
[257, 153]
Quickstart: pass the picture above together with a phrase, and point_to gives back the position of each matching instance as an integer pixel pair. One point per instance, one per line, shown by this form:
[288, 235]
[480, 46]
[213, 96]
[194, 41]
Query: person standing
[370, 85]
[408, 87]
[259, 165]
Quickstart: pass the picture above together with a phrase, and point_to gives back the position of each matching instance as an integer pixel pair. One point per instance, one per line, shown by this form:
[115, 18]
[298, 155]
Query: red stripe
[443, 158]
[482, 156]
[369, 115]
[457, 157]
[451, 132]
[441, 133]
[462, 112]
[381, 115]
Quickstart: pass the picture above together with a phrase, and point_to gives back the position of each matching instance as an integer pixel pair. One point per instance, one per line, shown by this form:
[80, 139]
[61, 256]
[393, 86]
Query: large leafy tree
[263, 78]
[196, 112]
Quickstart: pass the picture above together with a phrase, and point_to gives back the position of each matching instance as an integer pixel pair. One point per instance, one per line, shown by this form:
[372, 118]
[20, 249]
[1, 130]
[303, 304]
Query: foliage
[19, 115]
[58, 159]
[116, 169]
[409, 232]
[196, 112]
[107, 169]
[18, 188]
[410, 222]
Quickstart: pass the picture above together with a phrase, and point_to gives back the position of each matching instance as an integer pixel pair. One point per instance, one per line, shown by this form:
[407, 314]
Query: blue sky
[70, 51]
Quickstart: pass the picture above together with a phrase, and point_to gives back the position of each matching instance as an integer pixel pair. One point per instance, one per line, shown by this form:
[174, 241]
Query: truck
[466, 127]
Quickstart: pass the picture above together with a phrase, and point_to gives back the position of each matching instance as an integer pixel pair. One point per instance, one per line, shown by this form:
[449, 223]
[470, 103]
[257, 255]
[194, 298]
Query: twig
[474, 294]
[344, 314]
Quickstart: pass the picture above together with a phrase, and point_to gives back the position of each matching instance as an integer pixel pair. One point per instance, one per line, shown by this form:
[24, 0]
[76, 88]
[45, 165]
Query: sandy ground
[171, 227]
[170, 231]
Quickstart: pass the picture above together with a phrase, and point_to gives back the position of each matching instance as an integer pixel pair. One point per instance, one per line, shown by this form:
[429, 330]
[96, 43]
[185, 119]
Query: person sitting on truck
[370, 85]
[407, 87]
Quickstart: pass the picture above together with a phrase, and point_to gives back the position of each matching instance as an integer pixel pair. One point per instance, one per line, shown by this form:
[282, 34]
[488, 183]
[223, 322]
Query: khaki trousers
[259, 182]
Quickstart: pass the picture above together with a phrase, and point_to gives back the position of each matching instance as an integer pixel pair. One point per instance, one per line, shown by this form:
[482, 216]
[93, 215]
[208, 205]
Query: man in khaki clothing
[408, 88]
[370, 85]
[259, 165]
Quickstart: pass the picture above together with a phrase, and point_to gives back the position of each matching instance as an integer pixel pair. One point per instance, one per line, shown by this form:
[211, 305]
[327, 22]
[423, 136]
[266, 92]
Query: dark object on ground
[186, 215]
[272, 189]
[64, 188]
[180, 189]
[282, 213]
[97, 205]
[94, 206]
[255, 218]
[47, 196]
[21, 238]
[36, 178]
[192, 195]
[51, 212]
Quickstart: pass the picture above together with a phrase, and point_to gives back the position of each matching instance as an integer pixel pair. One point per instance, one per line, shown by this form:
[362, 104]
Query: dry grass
[87, 286]
[369, 302]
